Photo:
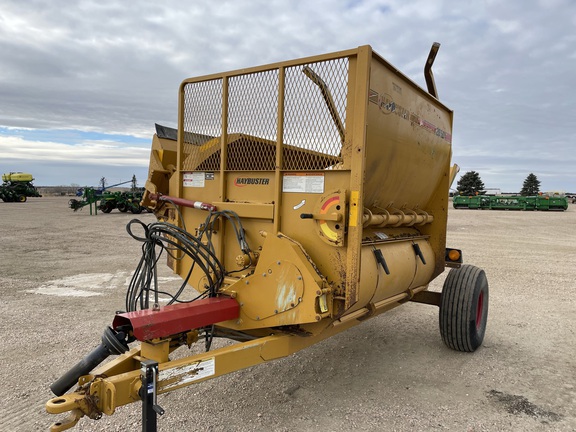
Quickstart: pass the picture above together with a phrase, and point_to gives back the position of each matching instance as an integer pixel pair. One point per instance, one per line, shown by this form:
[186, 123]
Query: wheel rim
[479, 310]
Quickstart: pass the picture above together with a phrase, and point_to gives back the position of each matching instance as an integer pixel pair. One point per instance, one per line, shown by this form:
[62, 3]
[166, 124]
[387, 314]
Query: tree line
[471, 184]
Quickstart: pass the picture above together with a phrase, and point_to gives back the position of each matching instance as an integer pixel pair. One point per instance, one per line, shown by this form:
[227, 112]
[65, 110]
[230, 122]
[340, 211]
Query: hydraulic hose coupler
[113, 342]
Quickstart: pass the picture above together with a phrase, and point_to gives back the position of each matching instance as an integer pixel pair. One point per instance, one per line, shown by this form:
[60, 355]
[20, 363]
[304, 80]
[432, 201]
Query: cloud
[114, 68]
[78, 157]
[94, 153]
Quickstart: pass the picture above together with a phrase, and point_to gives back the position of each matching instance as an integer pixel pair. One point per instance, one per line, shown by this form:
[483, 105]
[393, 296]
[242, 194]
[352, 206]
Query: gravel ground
[64, 274]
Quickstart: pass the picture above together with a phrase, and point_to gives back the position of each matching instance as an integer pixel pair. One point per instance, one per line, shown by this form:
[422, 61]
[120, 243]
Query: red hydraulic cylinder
[183, 202]
[149, 324]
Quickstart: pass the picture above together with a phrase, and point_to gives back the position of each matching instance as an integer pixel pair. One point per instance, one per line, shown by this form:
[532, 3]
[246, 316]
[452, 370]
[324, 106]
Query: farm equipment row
[517, 202]
[106, 201]
[17, 187]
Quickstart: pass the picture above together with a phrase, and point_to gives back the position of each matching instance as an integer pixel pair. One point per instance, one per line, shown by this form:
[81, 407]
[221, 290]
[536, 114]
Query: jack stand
[149, 375]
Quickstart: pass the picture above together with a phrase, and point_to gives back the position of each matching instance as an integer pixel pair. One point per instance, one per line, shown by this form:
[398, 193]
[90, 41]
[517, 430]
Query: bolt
[299, 278]
[247, 282]
[257, 318]
[263, 274]
[275, 310]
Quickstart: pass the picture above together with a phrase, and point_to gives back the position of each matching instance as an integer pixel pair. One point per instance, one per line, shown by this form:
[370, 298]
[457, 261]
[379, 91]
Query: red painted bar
[149, 324]
[183, 202]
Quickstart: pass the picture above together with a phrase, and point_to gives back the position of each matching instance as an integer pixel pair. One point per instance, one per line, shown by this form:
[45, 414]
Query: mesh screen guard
[306, 114]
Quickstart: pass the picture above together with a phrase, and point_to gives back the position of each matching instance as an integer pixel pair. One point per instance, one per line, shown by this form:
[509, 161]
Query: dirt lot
[63, 274]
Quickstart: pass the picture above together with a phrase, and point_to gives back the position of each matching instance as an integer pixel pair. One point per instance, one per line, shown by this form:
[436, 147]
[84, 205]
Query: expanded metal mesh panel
[252, 121]
[314, 119]
[202, 123]
[313, 124]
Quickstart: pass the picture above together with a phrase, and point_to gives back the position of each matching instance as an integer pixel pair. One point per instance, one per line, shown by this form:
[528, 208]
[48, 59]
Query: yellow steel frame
[117, 383]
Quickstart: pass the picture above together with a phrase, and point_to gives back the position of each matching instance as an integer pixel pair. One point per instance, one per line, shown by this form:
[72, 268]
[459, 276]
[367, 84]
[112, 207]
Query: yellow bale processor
[295, 200]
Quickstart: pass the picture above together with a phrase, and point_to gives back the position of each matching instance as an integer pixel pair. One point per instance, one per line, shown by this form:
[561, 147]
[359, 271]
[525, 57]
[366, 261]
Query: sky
[82, 83]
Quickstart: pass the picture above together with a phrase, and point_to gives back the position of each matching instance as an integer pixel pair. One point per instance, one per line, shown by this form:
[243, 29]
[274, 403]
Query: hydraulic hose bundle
[179, 243]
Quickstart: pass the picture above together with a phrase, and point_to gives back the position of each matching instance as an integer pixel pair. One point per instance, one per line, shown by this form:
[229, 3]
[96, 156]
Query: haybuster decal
[245, 181]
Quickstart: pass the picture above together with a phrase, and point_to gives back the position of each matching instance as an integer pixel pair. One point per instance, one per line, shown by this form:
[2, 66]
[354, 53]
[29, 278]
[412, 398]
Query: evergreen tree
[470, 184]
[531, 186]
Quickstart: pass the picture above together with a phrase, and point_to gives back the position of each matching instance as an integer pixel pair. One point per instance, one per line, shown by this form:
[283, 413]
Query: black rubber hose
[83, 367]
[112, 343]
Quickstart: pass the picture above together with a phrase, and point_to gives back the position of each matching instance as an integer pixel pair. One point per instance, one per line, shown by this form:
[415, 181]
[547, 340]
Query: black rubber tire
[22, 198]
[107, 207]
[464, 308]
[122, 207]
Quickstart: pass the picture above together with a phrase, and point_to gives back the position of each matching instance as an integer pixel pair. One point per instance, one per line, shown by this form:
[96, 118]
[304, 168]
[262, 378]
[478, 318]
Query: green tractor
[123, 201]
[106, 201]
[17, 187]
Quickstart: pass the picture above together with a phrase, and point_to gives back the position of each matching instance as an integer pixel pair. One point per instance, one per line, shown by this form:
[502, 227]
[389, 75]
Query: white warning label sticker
[181, 375]
[303, 183]
[194, 179]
